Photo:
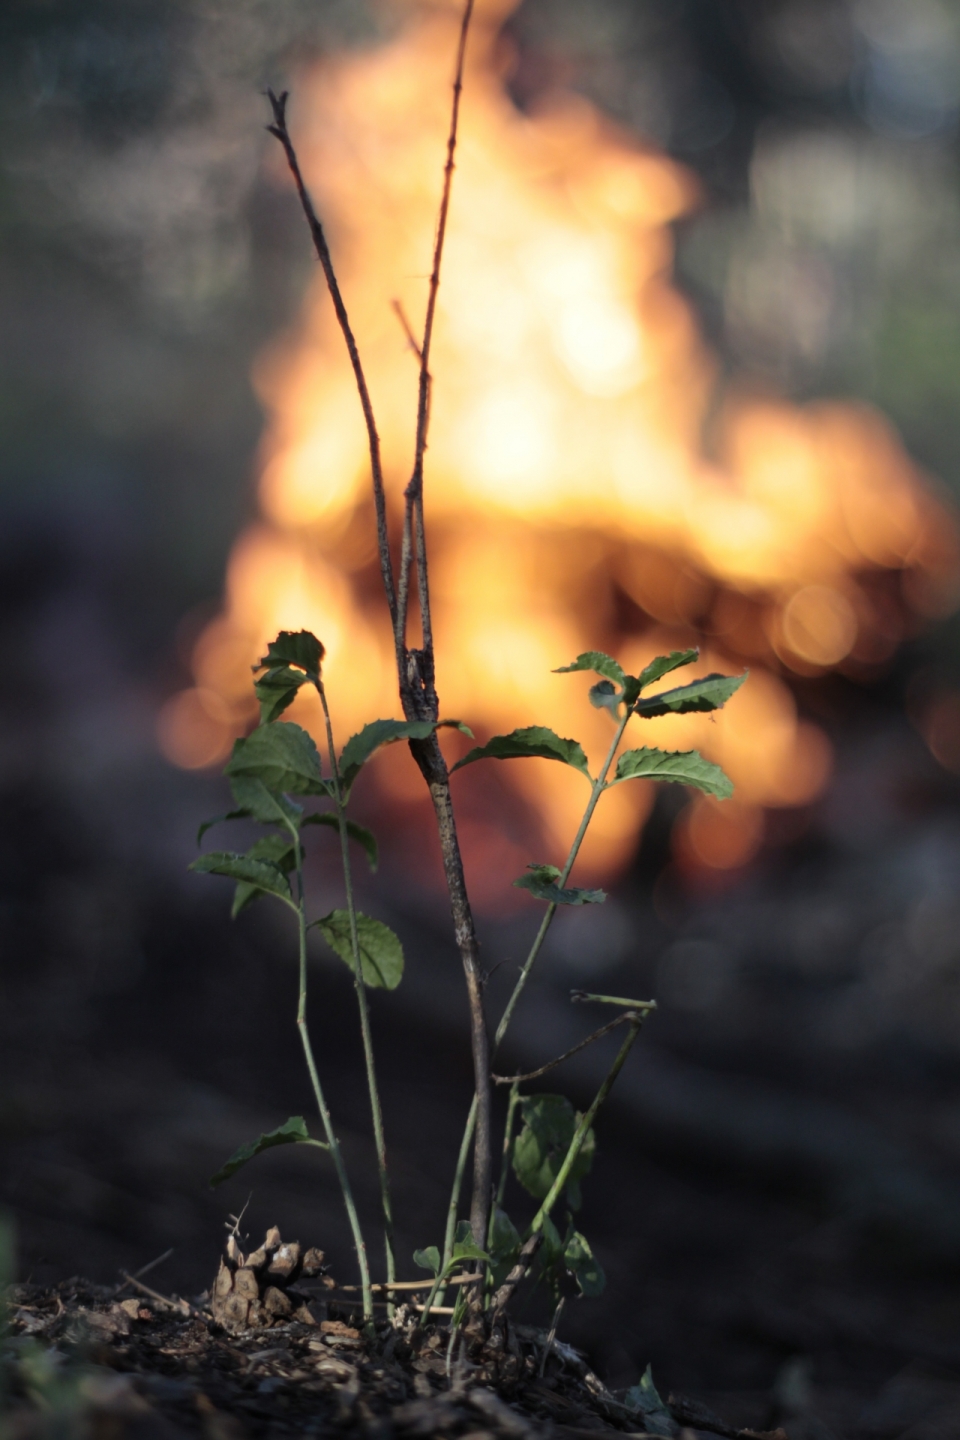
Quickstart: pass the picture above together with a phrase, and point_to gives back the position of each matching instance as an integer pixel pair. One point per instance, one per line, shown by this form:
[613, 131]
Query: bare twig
[407, 328]
[548, 1343]
[624, 1019]
[182, 1306]
[144, 1270]
[406, 1285]
[416, 668]
[278, 104]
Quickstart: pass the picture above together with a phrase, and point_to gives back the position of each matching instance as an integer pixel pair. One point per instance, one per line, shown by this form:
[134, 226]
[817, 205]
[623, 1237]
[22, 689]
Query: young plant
[275, 763]
[279, 761]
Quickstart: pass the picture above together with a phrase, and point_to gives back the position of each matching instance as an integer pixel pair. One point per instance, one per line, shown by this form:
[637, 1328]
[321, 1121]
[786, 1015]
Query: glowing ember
[570, 501]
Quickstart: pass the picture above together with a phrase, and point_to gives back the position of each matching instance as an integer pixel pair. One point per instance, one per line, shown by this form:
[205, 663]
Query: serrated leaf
[276, 690]
[541, 1147]
[663, 664]
[542, 882]
[580, 1261]
[219, 819]
[261, 874]
[381, 954]
[532, 740]
[360, 833]
[710, 693]
[428, 1259]
[682, 767]
[599, 663]
[281, 755]
[266, 806]
[294, 647]
[291, 1132]
[645, 1401]
[367, 741]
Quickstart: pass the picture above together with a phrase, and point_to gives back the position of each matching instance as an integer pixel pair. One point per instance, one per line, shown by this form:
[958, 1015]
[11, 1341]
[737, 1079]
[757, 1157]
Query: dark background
[776, 1197]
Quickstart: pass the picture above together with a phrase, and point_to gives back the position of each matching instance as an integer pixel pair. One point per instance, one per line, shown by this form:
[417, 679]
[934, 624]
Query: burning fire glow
[585, 487]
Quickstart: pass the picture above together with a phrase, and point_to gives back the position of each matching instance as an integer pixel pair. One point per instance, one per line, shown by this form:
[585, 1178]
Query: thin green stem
[450, 1233]
[599, 785]
[372, 1087]
[580, 1134]
[597, 789]
[512, 1104]
[321, 1101]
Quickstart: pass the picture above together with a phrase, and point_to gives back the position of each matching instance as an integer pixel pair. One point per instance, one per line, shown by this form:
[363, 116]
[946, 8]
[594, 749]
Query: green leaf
[579, 1260]
[541, 882]
[533, 740]
[266, 806]
[551, 1253]
[663, 664]
[464, 1246]
[276, 690]
[263, 875]
[710, 693]
[381, 954]
[360, 833]
[644, 1400]
[599, 663]
[291, 1132]
[219, 819]
[683, 767]
[294, 647]
[283, 756]
[367, 741]
[505, 1239]
[550, 1122]
[604, 695]
[428, 1259]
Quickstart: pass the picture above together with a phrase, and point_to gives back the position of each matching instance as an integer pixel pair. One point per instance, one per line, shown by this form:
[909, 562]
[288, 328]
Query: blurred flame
[571, 504]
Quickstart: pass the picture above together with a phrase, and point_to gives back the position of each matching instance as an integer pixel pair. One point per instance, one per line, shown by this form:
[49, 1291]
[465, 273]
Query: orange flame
[571, 502]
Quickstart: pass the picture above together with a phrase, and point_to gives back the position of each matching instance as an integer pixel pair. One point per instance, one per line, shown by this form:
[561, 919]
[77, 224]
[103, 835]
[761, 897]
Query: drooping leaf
[579, 1260]
[381, 954]
[599, 663]
[276, 690]
[505, 1239]
[262, 875]
[683, 767]
[283, 756]
[291, 1132]
[644, 1400]
[710, 693]
[605, 695]
[367, 741]
[428, 1259]
[663, 664]
[542, 882]
[504, 1245]
[269, 807]
[219, 819]
[551, 1253]
[550, 1122]
[360, 833]
[294, 647]
[532, 740]
[279, 850]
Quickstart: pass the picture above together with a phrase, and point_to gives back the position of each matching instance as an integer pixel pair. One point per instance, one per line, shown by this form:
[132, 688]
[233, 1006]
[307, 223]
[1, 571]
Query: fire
[572, 500]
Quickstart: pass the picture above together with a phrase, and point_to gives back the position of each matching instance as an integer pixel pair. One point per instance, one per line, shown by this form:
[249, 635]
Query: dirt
[126, 1363]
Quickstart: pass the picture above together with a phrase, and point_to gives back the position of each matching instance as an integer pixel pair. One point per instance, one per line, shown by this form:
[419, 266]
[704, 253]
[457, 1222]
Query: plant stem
[512, 1104]
[372, 1087]
[322, 1104]
[599, 785]
[597, 790]
[451, 1230]
[580, 1134]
